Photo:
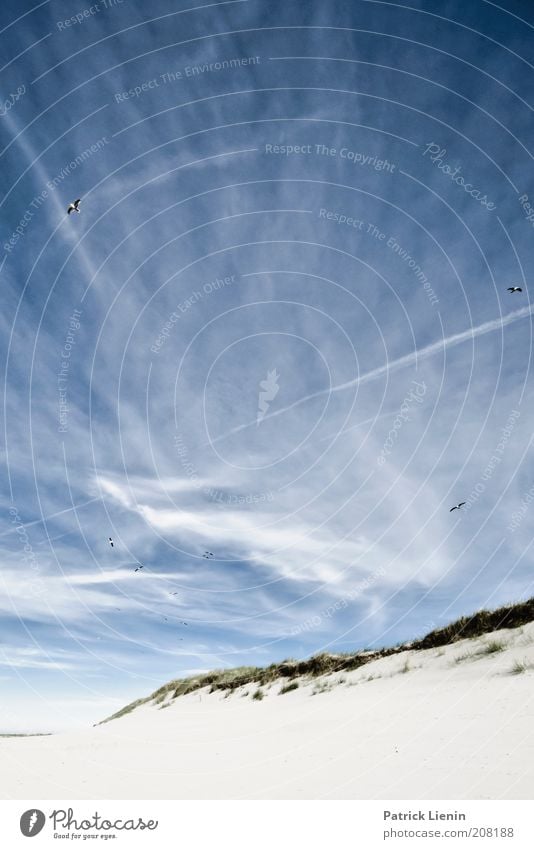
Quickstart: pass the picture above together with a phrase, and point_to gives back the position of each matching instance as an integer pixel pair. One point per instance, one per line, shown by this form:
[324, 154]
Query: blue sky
[279, 331]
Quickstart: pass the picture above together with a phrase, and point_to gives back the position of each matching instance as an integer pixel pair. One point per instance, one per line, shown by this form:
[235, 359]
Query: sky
[278, 331]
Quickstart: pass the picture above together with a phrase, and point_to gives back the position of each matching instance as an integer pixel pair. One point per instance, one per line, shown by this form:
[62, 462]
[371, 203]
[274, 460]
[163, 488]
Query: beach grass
[325, 663]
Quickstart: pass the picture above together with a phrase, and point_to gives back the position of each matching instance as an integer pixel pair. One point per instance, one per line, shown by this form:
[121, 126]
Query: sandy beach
[455, 722]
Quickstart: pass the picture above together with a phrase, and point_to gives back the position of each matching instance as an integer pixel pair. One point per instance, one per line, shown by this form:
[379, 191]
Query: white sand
[441, 730]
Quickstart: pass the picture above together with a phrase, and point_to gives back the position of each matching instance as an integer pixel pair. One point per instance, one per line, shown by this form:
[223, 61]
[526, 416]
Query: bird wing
[453, 508]
[77, 202]
[461, 504]
[519, 289]
[70, 208]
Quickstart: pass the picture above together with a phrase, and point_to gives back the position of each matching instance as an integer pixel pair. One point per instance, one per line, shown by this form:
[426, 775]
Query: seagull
[139, 567]
[74, 207]
[110, 542]
[513, 289]
[457, 507]
[173, 593]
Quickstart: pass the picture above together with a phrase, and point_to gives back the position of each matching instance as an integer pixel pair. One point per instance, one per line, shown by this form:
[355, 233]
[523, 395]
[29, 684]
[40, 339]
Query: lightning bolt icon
[33, 820]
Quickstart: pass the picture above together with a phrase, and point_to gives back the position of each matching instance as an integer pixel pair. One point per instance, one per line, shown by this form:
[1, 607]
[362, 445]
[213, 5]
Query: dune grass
[521, 666]
[293, 685]
[468, 655]
[467, 627]
[493, 647]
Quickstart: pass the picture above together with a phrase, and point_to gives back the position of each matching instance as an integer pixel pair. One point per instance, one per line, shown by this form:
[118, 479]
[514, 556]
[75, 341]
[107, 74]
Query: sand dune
[449, 723]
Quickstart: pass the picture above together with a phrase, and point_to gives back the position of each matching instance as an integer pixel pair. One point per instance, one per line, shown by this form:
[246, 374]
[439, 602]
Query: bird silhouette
[457, 507]
[74, 207]
[139, 567]
[513, 289]
[110, 541]
[208, 555]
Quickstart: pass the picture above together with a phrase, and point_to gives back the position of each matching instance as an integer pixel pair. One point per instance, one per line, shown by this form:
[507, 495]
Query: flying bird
[208, 554]
[513, 289]
[139, 567]
[110, 541]
[457, 507]
[74, 207]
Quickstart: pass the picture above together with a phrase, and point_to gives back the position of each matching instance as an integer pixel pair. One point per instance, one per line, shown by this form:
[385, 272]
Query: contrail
[53, 515]
[395, 365]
